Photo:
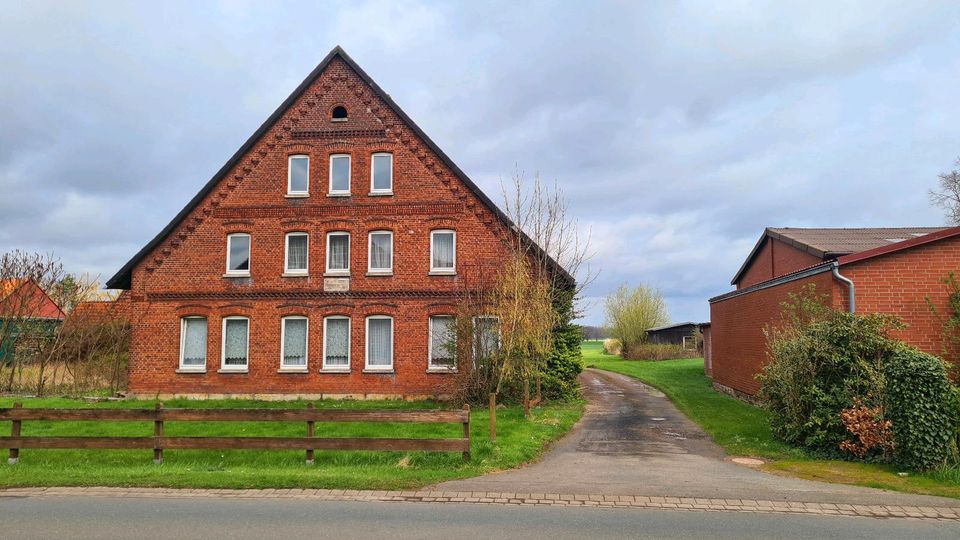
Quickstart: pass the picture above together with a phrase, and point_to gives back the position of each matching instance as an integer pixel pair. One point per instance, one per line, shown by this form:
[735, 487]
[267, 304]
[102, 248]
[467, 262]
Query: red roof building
[897, 271]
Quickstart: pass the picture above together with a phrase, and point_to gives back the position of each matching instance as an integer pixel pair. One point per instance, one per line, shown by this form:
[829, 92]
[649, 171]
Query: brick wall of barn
[897, 283]
[738, 343]
[775, 259]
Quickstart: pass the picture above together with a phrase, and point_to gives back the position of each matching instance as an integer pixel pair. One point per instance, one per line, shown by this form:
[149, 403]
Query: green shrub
[817, 370]
[660, 351]
[922, 406]
[565, 360]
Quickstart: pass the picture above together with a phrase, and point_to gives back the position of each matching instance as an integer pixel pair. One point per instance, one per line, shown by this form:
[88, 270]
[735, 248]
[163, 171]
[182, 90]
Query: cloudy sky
[678, 130]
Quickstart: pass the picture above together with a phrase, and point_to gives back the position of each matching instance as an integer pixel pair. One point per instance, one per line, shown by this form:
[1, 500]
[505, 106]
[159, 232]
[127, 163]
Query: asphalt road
[143, 518]
[633, 441]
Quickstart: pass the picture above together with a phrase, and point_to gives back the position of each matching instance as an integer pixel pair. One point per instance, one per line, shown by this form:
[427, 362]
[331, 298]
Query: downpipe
[851, 288]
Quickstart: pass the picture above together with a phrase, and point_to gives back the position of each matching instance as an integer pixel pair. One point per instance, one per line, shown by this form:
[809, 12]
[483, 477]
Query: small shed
[683, 334]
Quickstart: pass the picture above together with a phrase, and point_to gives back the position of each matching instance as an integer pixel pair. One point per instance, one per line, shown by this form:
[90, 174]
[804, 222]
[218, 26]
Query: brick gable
[181, 273]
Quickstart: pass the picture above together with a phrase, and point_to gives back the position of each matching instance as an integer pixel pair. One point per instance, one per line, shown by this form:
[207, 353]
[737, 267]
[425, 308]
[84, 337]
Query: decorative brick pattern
[184, 274]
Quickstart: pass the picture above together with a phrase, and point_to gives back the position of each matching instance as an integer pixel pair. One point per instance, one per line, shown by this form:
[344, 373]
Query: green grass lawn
[518, 441]
[742, 429]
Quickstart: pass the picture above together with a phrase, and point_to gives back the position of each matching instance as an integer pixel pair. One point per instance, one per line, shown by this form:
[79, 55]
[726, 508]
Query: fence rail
[17, 415]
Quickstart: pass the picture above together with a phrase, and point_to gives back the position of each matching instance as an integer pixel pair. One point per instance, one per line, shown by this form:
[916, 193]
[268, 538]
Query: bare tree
[948, 194]
[547, 253]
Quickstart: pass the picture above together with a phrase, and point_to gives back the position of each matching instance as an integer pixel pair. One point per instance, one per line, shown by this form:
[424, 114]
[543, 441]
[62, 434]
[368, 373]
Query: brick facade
[183, 275]
[774, 259]
[897, 283]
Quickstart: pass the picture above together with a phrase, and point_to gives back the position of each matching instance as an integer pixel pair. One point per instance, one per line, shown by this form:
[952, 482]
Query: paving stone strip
[522, 499]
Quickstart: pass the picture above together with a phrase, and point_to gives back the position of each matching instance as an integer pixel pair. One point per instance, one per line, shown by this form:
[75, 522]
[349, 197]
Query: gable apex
[122, 279]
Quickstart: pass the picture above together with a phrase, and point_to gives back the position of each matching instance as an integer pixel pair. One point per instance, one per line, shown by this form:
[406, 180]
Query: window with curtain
[379, 343]
[338, 252]
[443, 245]
[442, 342]
[294, 351]
[235, 336]
[193, 342]
[486, 338]
[381, 173]
[340, 174]
[238, 253]
[298, 175]
[336, 343]
[381, 251]
[297, 253]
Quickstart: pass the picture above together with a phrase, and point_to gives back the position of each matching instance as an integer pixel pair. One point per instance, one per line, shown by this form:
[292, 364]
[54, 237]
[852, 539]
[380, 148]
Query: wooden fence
[17, 415]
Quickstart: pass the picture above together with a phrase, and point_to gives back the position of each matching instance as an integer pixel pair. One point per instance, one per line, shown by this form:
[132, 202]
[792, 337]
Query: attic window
[339, 114]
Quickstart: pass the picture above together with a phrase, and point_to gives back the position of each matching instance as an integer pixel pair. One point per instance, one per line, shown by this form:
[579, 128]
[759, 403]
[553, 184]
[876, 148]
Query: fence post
[466, 431]
[15, 432]
[311, 432]
[526, 398]
[157, 433]
[493, 417]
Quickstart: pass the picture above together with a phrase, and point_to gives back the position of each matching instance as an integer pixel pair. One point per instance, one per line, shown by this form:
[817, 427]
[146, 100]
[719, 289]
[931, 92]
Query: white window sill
[295, 274]
[442, 273]
[296, 195]
[335, 273]
[336, 371]
[387, 371]
[380, 274]
[441, 370]
[198, 371]
[380, 194]
[233, 370]
[231, 275]
[293, 370]
[339, 119]
[345, 194]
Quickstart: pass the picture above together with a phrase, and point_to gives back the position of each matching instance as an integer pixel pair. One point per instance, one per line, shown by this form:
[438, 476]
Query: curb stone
[517, 499]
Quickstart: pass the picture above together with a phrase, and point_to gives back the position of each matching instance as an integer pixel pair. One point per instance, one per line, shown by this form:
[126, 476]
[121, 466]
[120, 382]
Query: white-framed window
[340, 174]
[380, 256]
[442, 346]
[193, 343]
[379, 349]
[293, 342]
[443, 251]
[486, 338]
[381, 173]
[296, 253]
[298, 175]
[689, 344]
[338, 253]
[336, 343]
[235, 346]
[238, 254]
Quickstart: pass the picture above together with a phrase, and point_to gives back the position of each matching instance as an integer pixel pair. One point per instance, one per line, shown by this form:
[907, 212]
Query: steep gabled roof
[121, 280]
[830, 243]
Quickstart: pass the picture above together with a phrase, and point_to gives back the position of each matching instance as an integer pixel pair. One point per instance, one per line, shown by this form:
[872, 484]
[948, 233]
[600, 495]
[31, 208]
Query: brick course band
[521, 499]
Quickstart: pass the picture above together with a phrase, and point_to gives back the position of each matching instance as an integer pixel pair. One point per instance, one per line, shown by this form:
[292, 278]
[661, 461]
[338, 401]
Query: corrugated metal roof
[845, 241]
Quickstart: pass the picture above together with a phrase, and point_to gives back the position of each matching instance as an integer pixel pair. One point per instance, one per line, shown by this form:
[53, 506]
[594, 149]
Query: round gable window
[340, 113]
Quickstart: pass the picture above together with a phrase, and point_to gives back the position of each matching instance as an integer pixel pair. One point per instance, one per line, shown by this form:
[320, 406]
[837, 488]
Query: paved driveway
[633, 441]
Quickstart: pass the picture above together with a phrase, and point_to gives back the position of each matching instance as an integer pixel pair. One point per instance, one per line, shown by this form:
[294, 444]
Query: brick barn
[881, 270]
[324, 259]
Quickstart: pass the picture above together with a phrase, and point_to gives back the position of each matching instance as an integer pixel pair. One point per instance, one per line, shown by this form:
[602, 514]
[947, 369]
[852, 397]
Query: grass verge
[742, 429]
[518, 441]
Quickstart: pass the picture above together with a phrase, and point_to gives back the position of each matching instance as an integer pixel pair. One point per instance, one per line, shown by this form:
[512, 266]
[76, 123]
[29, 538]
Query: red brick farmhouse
[882, 270]
[324, 259]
